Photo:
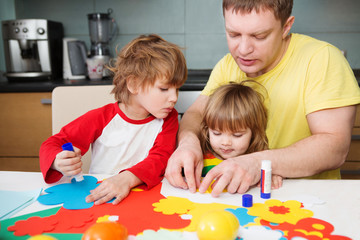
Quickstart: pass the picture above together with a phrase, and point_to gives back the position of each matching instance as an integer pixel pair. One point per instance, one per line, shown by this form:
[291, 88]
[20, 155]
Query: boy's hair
[234, 107]
[145, 59]
[281, 8]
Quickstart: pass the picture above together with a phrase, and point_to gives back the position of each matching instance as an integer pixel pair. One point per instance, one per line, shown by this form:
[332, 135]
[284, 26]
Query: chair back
[70, 102]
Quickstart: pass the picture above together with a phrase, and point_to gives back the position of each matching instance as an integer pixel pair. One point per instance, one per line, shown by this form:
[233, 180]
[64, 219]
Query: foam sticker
[71, 195]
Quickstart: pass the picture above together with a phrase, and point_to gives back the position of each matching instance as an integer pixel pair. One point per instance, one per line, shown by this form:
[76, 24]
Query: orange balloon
[106, 231]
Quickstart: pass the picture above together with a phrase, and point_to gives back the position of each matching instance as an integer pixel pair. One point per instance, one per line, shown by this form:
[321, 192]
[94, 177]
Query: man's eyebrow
[267, 31]
[228, 29]
[262, 32]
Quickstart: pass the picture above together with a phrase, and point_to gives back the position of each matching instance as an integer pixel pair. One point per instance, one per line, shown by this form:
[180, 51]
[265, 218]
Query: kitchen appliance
[33, 49]
[102, 29]
[74, 59]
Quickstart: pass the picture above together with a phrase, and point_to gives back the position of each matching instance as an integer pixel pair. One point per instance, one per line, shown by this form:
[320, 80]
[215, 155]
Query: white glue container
[265, 185]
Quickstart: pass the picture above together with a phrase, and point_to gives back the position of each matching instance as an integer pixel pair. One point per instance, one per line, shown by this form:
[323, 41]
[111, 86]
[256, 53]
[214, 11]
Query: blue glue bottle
[265, 179]
[69, 147]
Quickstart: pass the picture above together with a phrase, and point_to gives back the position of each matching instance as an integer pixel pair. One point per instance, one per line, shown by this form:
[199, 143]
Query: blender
[102, 29]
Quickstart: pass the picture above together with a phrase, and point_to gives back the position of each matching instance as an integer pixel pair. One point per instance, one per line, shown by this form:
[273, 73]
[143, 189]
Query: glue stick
[265, 179]
[69, 147]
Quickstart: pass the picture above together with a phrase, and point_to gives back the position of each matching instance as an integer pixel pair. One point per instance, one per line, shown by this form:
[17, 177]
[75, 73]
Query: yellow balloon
[218, 225]
[42, 237]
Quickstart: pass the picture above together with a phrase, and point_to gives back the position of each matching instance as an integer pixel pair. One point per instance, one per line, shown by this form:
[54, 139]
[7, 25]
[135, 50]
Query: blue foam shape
[242, 216]
[71, 195]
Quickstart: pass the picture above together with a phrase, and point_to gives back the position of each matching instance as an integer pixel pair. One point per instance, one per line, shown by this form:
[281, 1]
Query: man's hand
[189, 158]
[276, 181]
[236, 174]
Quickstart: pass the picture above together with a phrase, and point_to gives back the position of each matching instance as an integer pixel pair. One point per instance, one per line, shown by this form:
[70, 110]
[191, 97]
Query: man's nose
[245, 46]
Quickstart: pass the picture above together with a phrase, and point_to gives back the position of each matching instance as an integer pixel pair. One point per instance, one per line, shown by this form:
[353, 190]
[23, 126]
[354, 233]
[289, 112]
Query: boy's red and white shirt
[119, 143]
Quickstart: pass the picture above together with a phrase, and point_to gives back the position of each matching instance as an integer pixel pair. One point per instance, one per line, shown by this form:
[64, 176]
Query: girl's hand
[117, 187]
[68, 162]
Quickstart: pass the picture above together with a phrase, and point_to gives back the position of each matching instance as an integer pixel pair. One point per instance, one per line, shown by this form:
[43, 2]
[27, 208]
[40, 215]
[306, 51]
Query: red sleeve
[151, 170]
[81, 133]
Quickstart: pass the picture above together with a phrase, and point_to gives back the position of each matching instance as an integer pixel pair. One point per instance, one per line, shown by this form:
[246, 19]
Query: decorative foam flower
[242, 216]
[276, 211]
[310, 229]
[108, 218]
[173, 205]
[159, 235]
[260, 232]
[176, 205]
[104, 218]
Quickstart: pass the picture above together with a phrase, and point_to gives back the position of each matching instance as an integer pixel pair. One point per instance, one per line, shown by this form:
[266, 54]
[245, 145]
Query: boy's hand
[68, 162]
[117, 187]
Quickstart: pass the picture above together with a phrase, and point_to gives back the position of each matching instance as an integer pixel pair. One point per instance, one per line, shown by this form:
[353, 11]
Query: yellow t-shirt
[313, 75]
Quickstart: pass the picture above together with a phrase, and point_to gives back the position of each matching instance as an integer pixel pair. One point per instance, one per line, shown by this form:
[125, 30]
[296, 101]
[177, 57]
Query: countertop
[196, 81]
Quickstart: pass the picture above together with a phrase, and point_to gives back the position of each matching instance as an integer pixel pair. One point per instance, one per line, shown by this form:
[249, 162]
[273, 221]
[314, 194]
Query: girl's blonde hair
[232, 108]
[145, 59]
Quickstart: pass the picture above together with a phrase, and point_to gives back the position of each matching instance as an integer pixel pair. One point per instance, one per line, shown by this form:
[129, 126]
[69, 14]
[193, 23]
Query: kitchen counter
[196, 81]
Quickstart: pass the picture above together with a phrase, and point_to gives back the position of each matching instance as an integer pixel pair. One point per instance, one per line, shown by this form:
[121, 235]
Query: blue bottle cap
[68, 147]
[247, 200]
[265, 195]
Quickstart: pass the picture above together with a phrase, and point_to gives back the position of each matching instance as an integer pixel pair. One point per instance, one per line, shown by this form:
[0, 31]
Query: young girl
[132, 138]
[234, 123]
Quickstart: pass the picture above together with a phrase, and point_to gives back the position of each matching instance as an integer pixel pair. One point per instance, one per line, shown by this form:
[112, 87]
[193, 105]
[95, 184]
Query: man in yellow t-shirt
[311, 100]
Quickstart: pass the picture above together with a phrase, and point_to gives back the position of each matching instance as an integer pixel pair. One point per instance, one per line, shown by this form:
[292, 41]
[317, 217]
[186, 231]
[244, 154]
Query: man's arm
[326, 149]
[188, 155]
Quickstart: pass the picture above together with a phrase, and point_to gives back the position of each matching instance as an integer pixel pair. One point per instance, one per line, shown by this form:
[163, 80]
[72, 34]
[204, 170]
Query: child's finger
[77, 151]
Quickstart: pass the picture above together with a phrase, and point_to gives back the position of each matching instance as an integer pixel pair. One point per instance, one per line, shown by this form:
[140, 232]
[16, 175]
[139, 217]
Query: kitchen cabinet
[25, 122]
[351, 167]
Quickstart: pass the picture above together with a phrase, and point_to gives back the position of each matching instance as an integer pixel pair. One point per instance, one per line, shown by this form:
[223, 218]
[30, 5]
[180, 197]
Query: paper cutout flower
[260, 232]
[308, 228]
[278, 212]
[103, 219]
[159, 235]
[108, 218]
[24, 227]
[72, 195]
[135, 212]
[177, 205]
[242, 216]
[173, 205]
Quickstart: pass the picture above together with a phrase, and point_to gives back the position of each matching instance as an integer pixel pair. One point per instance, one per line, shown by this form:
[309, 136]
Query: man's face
[255, 40]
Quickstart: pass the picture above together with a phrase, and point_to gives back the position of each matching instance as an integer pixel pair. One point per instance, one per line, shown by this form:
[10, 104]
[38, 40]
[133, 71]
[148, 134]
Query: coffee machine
[33, 49]
[102, 29]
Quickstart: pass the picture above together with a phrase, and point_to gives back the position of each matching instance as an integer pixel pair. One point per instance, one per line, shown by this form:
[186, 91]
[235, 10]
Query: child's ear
[132, 85]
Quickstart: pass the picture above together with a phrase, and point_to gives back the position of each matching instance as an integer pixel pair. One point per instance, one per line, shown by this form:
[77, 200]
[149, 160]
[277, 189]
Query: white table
[341, 197]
